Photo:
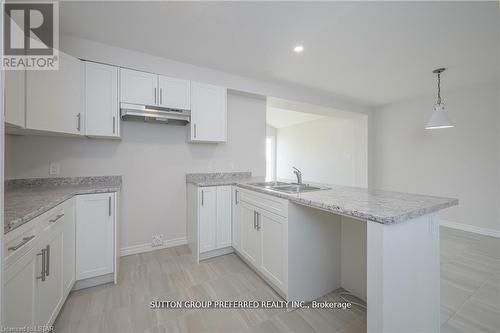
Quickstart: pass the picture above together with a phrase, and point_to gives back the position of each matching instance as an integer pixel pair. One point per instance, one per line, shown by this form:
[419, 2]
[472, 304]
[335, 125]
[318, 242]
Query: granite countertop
[217, 178]
[373, 205]
[26, 199]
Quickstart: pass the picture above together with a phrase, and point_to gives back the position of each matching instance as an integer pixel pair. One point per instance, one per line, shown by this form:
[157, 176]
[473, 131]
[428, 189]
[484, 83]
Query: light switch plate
[54, 168]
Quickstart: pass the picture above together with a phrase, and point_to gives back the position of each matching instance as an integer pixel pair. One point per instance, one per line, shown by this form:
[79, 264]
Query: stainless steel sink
[297, 188]
[269, 184]
[289, 187]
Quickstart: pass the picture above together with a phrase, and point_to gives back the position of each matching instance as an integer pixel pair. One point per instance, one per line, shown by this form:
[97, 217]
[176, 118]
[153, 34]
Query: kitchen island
[382, 246]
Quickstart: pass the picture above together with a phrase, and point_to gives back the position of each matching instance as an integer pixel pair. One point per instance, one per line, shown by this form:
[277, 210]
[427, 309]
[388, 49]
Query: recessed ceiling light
[298, 48]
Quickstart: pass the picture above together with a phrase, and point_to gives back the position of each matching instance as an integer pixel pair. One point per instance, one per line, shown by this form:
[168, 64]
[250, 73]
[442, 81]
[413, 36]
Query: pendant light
[439, 118]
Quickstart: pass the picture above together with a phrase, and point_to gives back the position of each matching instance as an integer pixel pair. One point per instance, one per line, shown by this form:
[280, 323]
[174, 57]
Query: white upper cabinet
[54, 98]
[208, 113]
[157, 90]
[101, 100]
[174, 93]
[14, 98]
[138, 87]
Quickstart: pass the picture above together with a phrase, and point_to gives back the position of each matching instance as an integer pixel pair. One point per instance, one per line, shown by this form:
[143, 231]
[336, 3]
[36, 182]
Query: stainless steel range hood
[154, 114]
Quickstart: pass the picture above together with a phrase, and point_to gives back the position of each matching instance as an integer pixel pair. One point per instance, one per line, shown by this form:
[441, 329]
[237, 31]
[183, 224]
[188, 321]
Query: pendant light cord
[439, 88]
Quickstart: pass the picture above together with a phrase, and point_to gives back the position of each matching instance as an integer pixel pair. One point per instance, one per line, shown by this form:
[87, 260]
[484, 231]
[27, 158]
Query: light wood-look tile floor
[470, 292]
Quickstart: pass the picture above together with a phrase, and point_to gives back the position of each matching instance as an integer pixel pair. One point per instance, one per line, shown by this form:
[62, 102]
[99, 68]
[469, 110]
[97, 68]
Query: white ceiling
[280, 118]
[372, 52]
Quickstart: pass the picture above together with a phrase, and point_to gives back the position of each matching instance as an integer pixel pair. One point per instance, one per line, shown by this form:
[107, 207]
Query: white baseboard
[471, 228]
[141, 248]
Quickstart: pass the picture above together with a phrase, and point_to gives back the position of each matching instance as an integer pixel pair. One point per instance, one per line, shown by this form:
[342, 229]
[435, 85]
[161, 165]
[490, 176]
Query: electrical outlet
[54, 168]
[157, 240]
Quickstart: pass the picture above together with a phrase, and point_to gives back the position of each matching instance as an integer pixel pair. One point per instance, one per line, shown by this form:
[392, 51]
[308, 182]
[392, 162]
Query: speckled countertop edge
[319, 200]
[28, 198]
[217, 178]
[383, 207]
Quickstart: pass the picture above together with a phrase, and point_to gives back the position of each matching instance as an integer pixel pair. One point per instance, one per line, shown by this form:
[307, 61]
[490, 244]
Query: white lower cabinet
[95, 220]
[49, 296]
[214, 217]
[261, 236]
[273, 247]
[35, 269]
[208, 219]
[19, 291]
[69, 255]
[236, 227]
[40, 257]
[250, 240]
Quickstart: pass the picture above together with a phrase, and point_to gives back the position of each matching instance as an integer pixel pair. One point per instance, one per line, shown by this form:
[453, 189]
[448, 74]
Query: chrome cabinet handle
[42, 277]
[56, 218]
[195, 131]
[202, 198]
[79, 117]
[161, 95]
[24, 241]
[114, 124]
[155, 95]
[47, 260]
[254, 219]
[109, 205]
[258, 221]
[236, 196]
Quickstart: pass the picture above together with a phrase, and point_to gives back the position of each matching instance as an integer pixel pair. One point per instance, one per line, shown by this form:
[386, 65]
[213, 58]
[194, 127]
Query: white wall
[461, 162]
[153, 160]
[327, 150]
[95, 51]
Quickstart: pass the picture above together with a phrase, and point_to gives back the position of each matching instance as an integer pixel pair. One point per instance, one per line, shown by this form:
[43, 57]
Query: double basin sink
[288, 187]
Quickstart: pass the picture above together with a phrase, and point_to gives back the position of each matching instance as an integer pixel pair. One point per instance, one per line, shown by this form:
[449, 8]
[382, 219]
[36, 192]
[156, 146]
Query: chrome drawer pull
[47, 260]
[56, 218]
[42, 277]
[24, 241]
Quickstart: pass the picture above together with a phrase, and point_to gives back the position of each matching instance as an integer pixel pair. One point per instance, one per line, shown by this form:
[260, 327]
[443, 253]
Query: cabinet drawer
[268, 202]
[19, 244]
[22, 239]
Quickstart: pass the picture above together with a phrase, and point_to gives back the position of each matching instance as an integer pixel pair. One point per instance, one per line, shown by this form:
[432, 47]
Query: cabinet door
[94, 235]
[223, 216]
[54, 99]
[174, 93]
[236, 224]
[138, 87]
[50, 292]
[101, 100]
[250, 240]
[207, 198]
[208, 113]
[19, 288]
[273, 235]
[68, 248]
[14, 98]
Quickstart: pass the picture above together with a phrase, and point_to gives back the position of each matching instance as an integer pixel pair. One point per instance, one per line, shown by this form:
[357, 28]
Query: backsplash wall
[153, 160]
